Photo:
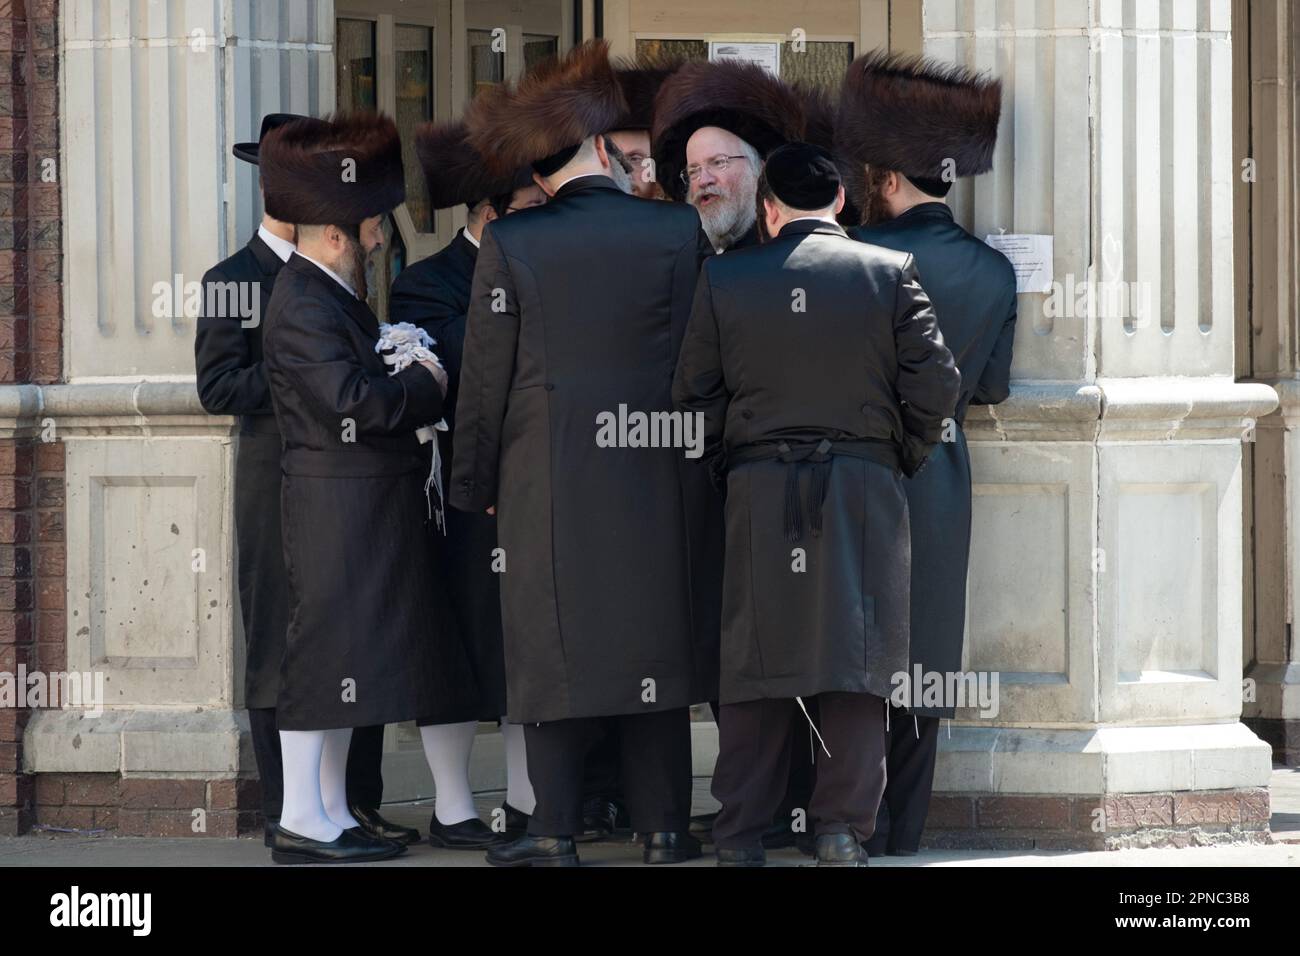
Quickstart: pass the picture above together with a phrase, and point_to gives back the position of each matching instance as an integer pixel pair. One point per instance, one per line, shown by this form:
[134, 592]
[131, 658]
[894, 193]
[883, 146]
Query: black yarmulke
[802, 176]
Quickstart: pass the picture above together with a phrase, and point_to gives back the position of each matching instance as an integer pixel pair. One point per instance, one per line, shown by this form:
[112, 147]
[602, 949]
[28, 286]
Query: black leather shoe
[471, 834]
[664, 847]
[268, 830]
[516, 821]
[381, 829]
[599, 820]
[535, 851]
[352, 846]
[840, 849]
[750, 856]
[702, 827]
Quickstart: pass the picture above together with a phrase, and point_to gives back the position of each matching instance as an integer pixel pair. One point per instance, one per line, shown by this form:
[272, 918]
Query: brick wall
[32, 552]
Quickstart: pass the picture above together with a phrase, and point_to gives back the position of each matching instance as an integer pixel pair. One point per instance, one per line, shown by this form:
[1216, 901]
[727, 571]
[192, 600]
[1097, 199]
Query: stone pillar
[1272, 706]
[1105, 583]
[154, 95]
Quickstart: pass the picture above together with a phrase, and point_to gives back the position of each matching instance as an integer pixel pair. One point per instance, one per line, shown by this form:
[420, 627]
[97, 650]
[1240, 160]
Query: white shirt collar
[464, 231]
[579, 176]
[830, 219]
[330, 272]
[283, 248]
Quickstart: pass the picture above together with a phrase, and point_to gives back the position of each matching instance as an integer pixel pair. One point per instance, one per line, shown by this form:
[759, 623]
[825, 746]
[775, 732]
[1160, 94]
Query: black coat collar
[584, 183]
[356, 308]
[927, 210]
[266, 258]
[803, 227]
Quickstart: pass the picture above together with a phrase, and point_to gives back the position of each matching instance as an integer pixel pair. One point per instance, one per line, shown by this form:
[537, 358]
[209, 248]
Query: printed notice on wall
[1031, 256]
[766, 55]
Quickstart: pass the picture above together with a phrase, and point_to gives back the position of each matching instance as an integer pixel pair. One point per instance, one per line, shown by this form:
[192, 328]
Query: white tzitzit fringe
[799, 700]
[401, 344]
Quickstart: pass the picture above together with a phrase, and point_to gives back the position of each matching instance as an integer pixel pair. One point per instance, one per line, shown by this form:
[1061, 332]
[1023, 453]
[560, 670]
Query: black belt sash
[818, 457]
[367, 463]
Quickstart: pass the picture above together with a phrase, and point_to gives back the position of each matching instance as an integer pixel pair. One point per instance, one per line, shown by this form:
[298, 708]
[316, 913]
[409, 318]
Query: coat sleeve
[313, 351]
[995, 381]
[487, 370]
[699, 385]
[432, 306]
[928, 380]
[229, 381]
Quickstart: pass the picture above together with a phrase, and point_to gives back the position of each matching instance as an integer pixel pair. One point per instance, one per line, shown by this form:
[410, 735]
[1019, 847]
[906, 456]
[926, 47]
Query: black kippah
[931, 186]
[802, 176]
[550, 165]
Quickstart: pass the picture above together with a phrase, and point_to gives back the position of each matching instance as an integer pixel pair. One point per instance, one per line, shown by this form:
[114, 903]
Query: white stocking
[519, 789]
[447, 748]
[304, 811]
[334, 777]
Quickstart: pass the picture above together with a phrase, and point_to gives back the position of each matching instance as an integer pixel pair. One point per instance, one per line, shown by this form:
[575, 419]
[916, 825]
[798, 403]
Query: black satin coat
[973, 288]
[813, 338]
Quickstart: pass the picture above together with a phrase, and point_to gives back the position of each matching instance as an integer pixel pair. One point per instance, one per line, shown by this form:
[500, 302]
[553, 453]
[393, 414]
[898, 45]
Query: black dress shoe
[516, 821]
[381, 829]
[535, 851]
[599, 820]
[351, 846]
[750, 856]
[471, 834]
[702, 827]
[665, 847]
[840, 849]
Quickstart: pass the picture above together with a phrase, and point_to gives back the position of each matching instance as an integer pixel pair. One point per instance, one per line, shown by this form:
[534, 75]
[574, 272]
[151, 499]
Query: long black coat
[369, 616]
[807, 611]
[434, 294]
[613, 554]
[231, 380]
[973, 288]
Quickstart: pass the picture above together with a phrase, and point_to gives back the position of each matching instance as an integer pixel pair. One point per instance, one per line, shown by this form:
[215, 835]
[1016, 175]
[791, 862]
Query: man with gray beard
[713, 124]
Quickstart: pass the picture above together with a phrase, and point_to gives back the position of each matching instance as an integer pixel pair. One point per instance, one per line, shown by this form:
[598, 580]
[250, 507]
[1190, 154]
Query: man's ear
[541, 181]
[839, 201]
[893, 183]
[489, 214]
[601, 153]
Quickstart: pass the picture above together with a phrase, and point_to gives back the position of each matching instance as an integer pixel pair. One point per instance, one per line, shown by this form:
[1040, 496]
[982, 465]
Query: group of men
[661, 240]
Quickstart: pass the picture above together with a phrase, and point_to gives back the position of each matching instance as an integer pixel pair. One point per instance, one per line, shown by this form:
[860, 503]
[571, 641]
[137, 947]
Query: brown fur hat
[306, 177]
[819, 115]
[552, 109]
[737, 96]
[911, 115]
[641, 80]
[454, 173]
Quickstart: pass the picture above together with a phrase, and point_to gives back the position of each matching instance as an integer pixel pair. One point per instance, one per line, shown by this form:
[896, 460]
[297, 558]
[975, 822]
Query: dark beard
[354, 268]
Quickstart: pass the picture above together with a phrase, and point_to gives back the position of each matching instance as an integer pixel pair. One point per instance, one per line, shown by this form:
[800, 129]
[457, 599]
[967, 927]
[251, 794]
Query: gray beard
[620, 176]
[729, 219]
[355, 266]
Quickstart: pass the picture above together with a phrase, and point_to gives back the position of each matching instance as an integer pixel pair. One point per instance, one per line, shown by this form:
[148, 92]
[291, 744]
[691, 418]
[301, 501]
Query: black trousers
[656, 770]
[909, 763]
[365, 757]
[602, 775]
[755, 744]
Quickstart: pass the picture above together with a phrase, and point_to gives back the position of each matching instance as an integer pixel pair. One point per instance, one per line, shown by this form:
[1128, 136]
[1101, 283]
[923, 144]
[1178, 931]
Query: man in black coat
[371, 638]
[434, 294]
[713, 124]
[575, 319]
[912, 127]
[809, 358]
[231, 380]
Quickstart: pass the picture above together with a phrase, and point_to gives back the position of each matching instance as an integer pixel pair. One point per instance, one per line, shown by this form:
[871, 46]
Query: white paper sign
[1031, 257]
[766, 55]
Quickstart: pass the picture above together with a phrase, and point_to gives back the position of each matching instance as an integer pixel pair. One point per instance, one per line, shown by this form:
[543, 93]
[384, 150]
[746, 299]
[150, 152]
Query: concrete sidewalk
[44, 848]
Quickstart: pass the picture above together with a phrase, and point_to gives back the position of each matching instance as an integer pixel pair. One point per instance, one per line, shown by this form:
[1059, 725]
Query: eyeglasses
[716, 165]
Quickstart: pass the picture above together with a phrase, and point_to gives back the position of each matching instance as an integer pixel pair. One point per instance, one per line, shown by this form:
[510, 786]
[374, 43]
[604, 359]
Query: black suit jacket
[434, 294]
[229, 373]
[973, 288]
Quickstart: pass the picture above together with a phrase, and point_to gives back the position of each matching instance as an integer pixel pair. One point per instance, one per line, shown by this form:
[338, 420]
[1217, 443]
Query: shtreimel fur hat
[454, 172]
[337, 171]
[735, 95]
[545, 117]
[641, 80]
[912, 115]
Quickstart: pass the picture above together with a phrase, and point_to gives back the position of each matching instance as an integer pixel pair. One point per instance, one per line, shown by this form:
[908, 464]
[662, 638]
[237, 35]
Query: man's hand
[439, 374]
[492, 510]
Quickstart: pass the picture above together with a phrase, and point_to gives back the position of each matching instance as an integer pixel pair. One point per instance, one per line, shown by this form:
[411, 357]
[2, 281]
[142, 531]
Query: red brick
[1130, 811]
[15, 493]
[46, 300]
[15, 627]
[51, 627]
[8, 790]
[152, 793]
[52, 656]
[68, 818]
[50, 595]
[51, 559]
[9, 758]
[1255, 806]
[46, 367]
[11, 724]
[1207, 807]
[1024, 812]
[174, 823]
[49, 789]
[44, 268]
[15, 527]
[223, 795]
[49, 526]
[133, 822]
[46, 334]
[49, 457]
[92, 789]
[15, 595]
[49, 491]
[14, 333]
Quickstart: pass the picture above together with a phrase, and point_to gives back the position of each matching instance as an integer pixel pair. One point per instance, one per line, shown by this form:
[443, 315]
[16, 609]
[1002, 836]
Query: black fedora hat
[248, 152]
